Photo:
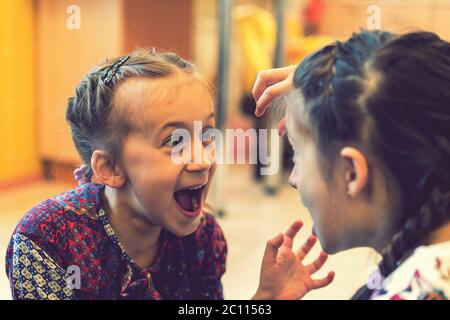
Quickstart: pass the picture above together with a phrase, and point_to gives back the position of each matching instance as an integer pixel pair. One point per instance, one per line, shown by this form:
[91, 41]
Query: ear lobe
[357, 175]
[107, 173]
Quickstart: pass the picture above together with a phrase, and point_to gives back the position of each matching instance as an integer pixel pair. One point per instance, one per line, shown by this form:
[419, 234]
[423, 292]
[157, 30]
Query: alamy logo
[73, 277]
[374, 19]
[221, 151]
[73, 22]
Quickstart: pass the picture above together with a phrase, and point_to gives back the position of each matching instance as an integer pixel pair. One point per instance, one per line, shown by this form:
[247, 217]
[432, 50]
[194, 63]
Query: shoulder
[58, 223]
[33, 274]
[425, 275]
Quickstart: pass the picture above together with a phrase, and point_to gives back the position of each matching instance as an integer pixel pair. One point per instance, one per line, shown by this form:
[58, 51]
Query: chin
[329, 248]
[329, 244]
[332, 246]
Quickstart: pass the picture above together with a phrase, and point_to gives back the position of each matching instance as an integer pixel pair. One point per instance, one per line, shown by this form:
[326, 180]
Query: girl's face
[340, 221]
[307, 178]
[159, 189]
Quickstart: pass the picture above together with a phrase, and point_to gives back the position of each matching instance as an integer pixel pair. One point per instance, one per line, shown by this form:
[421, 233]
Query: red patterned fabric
[72, 229]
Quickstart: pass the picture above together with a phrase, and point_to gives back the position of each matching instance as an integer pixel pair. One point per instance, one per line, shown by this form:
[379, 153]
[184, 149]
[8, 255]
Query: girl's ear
[356, 172]
[105, 172]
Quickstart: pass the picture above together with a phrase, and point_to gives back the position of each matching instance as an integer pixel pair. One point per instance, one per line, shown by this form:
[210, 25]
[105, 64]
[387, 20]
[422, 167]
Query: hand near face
[283, 276]
[270, 84]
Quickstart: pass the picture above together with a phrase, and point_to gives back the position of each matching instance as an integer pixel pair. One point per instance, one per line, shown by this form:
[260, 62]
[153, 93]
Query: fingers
[317, 264]
[306, 248]
[320, 283]
[265, 78]
[282, 127]
[270, 93]
[291, 233]
[270, 255]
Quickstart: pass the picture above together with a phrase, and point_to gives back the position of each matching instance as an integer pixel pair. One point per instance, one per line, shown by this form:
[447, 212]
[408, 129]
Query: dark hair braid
[433, 212]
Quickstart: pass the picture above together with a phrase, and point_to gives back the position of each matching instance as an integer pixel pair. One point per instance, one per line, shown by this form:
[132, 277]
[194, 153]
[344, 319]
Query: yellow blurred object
[18, 145]
[297, 45]
[256, 32]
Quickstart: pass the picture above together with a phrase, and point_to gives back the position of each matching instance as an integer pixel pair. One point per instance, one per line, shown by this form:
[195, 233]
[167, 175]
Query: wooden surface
[165, 25]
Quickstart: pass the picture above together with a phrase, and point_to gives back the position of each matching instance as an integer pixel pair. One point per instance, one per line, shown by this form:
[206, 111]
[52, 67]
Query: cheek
[151, 173]
[154, 192]
[311, 185]
[142, 161]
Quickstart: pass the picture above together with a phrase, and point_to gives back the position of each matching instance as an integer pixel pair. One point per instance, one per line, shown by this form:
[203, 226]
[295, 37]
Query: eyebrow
[180, 124]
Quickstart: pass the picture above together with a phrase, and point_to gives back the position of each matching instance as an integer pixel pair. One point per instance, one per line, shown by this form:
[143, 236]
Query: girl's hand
[270, 84]
[283, 276]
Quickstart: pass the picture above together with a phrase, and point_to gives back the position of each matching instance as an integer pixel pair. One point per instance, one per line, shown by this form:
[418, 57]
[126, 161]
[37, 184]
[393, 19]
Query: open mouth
[190, 200]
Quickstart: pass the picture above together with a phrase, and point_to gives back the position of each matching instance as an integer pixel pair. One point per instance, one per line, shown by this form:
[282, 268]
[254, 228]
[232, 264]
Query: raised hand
[283, 276]
[270, 84]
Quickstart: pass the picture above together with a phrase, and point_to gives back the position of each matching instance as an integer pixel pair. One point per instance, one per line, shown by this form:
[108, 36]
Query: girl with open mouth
[137, 226]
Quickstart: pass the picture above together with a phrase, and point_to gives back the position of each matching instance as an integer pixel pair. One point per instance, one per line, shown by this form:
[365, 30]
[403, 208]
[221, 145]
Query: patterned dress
[425, 275]
[65, 248]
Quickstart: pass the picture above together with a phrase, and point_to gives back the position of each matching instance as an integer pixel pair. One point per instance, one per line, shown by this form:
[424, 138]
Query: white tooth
[196, 188]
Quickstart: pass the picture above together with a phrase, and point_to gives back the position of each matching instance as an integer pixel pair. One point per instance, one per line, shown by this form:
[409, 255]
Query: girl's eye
[173, 141]
[208, 135]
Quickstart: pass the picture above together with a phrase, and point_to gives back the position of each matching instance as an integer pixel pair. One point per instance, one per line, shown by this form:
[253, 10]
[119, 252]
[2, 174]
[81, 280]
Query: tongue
[187, 199]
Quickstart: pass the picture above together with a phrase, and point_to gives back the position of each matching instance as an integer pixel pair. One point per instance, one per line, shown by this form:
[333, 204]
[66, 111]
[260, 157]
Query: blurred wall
[166, 25]
[18, 143]
[64, 56]
[343, 17]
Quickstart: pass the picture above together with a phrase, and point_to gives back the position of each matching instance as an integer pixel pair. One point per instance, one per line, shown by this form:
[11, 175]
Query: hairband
[111, 71]
[80, 174]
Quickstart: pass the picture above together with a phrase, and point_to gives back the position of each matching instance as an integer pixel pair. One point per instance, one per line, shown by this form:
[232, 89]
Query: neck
[441, 234]
[138, 236]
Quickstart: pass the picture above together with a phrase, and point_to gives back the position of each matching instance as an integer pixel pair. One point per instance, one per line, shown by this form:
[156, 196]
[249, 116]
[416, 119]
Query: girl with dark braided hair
[369, 122]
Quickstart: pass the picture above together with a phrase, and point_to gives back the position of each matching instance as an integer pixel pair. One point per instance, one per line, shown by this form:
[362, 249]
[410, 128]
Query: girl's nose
[201, 160]
[293, 177]
[201, 166]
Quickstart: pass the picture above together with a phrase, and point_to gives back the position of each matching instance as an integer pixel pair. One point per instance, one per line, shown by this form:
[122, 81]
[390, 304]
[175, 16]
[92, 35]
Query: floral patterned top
[425, 275]
[65, 248]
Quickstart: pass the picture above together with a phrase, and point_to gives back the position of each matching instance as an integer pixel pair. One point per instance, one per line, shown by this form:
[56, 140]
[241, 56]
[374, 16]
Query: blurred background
[46, 46]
